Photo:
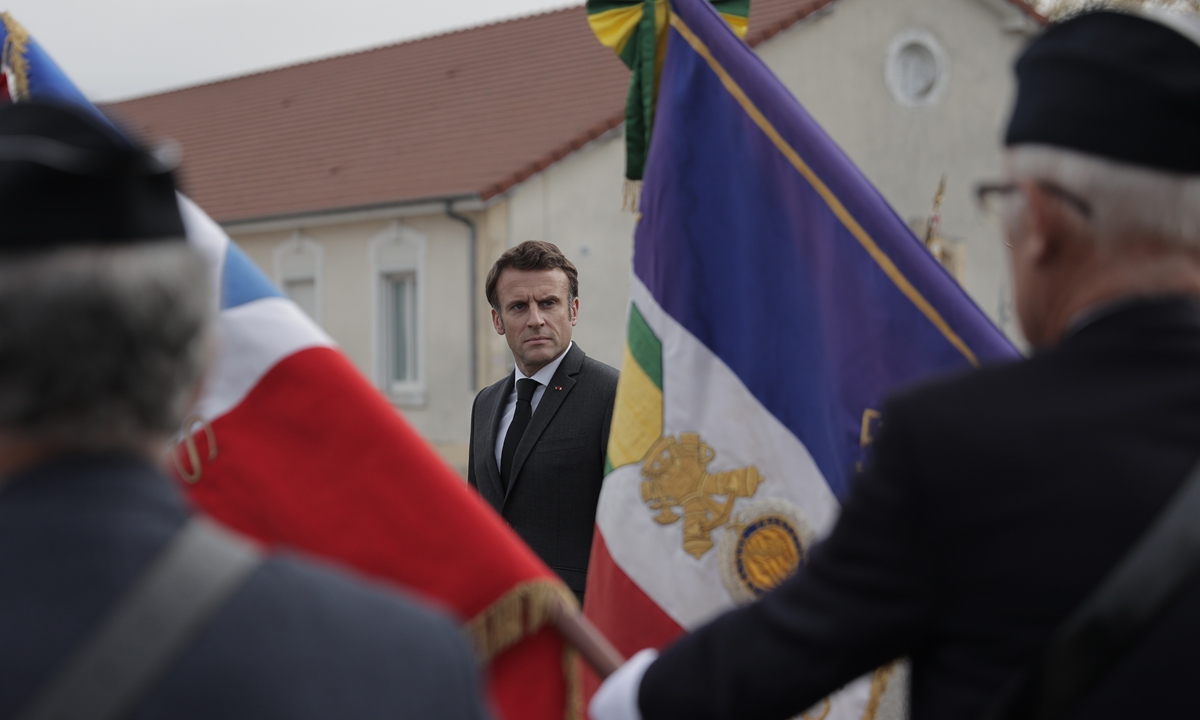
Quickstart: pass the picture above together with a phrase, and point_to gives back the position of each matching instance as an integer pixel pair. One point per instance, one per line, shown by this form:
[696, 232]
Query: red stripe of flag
[316, 459]
[621, 610]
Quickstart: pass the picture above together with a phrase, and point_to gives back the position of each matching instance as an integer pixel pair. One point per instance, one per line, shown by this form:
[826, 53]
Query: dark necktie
[520, 421]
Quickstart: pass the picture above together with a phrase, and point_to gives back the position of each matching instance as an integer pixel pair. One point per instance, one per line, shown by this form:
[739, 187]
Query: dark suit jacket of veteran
[295, 641]
[557, 468]
[994, 504]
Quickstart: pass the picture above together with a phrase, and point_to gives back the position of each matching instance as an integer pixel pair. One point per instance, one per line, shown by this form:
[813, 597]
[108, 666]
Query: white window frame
[893, 70]
[300, 258]
[398, 251]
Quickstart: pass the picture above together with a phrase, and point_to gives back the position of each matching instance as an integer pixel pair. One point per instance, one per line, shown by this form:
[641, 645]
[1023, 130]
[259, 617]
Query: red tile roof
[465, 114]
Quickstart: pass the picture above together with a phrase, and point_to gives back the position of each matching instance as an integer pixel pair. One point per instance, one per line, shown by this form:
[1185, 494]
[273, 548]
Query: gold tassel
[574, 681]
[13, 57]
[633, 195]
[521, 612]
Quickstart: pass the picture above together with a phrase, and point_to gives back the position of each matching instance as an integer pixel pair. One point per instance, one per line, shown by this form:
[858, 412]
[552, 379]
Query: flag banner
[776, 300]
[290, 444]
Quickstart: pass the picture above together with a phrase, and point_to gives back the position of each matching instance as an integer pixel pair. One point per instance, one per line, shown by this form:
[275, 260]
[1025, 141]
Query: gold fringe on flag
[520, 613]
[571, 673]
[13, 57]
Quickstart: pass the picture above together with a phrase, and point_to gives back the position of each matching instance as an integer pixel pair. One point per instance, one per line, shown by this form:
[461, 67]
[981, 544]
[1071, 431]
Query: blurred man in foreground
[116, 602]
[997, 502]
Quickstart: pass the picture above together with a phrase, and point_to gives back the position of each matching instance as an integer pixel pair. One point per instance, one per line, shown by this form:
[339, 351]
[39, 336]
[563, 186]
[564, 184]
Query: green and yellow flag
[637, 31]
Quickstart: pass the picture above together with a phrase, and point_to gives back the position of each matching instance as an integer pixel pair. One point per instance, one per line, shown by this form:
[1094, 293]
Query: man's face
[535, 315]
[1052, 255]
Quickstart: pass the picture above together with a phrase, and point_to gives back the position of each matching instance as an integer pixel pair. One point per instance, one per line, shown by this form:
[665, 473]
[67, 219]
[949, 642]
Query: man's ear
[1046, 225]
[574, 309]
[497, 322]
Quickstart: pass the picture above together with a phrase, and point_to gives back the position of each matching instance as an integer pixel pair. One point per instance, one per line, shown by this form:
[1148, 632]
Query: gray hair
[102, 347]
[1129, 202]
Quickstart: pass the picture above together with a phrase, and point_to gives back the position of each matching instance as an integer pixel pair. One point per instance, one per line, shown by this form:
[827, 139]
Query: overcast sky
[116, 49]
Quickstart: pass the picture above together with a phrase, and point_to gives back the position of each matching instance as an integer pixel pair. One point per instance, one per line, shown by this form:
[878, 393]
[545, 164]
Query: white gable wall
[834, 64]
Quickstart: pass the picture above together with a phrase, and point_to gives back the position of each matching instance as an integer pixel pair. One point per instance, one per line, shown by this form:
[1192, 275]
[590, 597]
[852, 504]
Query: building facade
[377, 188]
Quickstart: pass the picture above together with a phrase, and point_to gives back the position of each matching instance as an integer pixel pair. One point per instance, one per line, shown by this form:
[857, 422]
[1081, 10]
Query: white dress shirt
[542, 378]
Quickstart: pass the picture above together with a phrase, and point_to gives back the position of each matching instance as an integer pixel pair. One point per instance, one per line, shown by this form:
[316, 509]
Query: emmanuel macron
[538, 437]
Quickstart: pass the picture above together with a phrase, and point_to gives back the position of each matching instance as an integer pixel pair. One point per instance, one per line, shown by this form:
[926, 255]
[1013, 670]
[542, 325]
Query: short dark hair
[532, 255]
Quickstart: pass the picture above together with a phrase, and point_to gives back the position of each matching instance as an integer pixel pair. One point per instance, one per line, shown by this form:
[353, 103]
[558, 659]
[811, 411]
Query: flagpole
[589, 642]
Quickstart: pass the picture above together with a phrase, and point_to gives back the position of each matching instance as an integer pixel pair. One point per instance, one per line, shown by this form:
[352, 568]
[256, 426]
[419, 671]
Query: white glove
[617, 698]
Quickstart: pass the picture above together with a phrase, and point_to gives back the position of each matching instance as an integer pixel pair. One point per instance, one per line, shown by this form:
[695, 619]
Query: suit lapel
[497, 410]
[551, 400]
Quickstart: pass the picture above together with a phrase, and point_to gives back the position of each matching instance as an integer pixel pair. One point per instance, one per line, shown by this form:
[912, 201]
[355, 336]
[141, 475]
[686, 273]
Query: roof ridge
[573, 5]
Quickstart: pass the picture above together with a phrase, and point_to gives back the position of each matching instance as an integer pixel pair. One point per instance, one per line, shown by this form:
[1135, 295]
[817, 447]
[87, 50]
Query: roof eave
[461, 202]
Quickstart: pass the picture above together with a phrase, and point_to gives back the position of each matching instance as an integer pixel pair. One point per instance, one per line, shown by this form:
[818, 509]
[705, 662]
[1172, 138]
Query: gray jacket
[296, 641]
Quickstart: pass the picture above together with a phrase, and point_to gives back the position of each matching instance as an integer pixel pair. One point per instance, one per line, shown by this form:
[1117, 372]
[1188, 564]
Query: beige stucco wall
[834, 64]
[348, 304]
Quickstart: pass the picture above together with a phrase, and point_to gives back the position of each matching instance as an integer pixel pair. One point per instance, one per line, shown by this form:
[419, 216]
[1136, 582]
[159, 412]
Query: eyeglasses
[990, 196]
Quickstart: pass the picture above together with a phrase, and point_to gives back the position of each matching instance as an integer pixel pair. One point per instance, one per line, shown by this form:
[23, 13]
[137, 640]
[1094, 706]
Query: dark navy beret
[68, 177]
[1117, 85]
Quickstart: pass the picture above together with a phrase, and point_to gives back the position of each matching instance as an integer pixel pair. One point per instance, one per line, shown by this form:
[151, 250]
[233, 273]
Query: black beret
[1116, 85]
[67, 177]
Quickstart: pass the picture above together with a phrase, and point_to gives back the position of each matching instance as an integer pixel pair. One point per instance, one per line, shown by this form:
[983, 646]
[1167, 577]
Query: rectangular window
[397, 279]
[401, 326]
[303, 292]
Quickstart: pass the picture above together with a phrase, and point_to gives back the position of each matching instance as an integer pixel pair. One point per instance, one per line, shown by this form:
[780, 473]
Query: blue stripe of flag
[242, 281]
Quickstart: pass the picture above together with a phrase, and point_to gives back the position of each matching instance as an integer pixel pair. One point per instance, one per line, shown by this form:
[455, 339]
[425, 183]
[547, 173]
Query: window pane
[402, 321]
[303, 293]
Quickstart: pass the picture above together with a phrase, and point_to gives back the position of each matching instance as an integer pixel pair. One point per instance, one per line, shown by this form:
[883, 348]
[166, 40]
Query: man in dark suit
[997, 501]
[105, 315]
[539, 436]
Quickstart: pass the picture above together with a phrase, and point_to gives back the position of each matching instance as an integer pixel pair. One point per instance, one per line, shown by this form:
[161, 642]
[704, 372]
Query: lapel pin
[558, 387]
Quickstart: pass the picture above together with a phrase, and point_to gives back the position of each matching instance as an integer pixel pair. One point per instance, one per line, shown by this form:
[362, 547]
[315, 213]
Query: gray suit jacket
[558, 467]
[296, 641]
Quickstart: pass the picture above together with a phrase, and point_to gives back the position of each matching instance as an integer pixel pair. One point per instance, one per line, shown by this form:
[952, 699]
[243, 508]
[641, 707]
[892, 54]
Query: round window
[916, 69]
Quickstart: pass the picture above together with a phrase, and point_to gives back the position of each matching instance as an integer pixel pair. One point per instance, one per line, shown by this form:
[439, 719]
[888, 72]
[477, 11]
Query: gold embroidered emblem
[763, 546]
[676, 476]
